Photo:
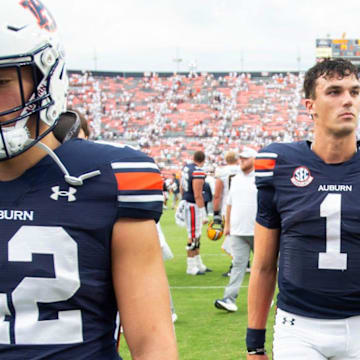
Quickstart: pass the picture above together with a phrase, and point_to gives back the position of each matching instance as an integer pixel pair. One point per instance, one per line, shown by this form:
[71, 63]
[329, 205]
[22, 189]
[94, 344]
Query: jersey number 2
[28, 329]
[332, 259]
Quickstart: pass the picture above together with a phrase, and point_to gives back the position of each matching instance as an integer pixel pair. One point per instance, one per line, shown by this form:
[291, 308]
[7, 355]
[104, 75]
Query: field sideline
[203, 332]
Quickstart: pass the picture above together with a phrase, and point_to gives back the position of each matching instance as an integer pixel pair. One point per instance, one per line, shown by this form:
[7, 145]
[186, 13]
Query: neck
[15, 167]
[334, 150]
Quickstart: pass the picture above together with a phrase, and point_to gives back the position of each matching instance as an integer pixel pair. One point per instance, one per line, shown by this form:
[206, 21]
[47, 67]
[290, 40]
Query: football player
[77, 220]
[192, 182]
[308, 211]
[223, 177]
[175, 188]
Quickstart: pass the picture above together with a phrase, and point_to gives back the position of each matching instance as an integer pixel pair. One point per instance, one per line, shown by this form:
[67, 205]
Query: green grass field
[203, 332]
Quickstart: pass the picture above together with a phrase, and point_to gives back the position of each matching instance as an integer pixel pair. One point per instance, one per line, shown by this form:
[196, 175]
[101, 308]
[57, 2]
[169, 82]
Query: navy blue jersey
[207, 194]
[189, 173]
[56, 295]
[316, 206]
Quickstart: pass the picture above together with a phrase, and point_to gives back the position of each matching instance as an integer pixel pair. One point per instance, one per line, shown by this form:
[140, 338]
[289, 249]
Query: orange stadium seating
[171, 117]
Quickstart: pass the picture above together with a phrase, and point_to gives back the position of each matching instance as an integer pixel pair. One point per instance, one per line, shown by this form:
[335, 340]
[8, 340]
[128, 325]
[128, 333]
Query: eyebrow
[337, 87]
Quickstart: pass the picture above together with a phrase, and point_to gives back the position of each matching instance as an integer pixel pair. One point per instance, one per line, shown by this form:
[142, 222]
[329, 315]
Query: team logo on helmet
[301, 176]
[42, 14]
[215, 231]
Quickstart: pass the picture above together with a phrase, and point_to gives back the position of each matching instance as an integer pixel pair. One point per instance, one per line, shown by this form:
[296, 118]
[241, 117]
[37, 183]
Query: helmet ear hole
[48, 57]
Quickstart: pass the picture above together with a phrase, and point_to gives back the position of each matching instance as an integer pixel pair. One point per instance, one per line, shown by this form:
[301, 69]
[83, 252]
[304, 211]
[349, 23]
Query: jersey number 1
[28, 329]
[332, 259]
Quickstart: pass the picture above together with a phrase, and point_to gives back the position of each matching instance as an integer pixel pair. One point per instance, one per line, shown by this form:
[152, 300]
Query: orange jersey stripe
[264, 164]
[139, 181]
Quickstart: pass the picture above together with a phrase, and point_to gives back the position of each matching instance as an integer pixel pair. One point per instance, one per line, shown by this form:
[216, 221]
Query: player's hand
[257, 357]
[217, 219]
[226, 230]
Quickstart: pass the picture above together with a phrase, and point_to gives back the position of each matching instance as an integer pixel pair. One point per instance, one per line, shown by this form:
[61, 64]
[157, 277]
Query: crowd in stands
[171, 117]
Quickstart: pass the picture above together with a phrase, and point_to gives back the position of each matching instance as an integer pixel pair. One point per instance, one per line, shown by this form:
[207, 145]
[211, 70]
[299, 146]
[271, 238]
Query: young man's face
[336, 105]
[10, 92]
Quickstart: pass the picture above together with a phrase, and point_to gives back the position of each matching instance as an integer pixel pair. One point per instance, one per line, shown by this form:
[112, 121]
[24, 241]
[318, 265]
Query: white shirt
[225, 174]
[211, 181]
[243, 200]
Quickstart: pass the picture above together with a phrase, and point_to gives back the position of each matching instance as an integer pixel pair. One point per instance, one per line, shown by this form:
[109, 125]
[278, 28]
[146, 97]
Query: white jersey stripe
[264, 174]
[266, 155]
[140, 198]
[133, 165]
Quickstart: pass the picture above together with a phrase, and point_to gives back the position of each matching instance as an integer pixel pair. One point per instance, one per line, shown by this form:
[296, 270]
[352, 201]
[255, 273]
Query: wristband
[216, 212]
[261, 351]
[255, 341]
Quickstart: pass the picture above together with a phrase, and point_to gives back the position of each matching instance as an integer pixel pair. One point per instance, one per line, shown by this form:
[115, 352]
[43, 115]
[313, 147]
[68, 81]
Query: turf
[204, 332]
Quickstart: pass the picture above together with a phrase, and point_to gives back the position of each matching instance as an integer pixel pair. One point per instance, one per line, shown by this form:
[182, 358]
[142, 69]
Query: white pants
[302, 338]
[241, 246]
[226, 245]
[193, 220]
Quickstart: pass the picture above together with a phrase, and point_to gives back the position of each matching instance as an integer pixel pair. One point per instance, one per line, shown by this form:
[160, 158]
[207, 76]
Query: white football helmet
[28, 38]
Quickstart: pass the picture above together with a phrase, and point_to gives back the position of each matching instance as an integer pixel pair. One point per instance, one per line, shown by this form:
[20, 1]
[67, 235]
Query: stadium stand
[169, 116]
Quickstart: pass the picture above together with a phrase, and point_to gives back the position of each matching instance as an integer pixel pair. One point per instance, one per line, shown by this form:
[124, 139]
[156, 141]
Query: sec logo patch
[301, 176]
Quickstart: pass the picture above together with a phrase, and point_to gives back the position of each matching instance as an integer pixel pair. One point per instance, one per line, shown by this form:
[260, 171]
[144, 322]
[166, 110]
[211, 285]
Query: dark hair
[83, 123]
[199, 156]
[327, 68]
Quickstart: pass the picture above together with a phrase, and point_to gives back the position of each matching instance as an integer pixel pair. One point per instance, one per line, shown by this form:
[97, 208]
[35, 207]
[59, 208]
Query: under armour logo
[57, 192]
[285, 321]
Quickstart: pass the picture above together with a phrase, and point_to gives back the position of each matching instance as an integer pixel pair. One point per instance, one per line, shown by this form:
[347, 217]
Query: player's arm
[262, 285]
[198, 185]
[219, 186]
[142, 290]
[181, 189]
[229, 201]
[227, 220]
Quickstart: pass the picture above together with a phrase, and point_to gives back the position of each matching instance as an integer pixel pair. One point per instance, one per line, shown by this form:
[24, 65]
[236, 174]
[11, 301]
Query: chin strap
[71, 180]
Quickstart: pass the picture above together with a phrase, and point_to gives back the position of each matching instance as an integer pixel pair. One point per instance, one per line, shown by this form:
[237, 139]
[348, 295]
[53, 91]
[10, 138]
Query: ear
[310, 106]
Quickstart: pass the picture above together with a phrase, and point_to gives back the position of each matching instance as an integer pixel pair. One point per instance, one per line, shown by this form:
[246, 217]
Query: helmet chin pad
[13, 141]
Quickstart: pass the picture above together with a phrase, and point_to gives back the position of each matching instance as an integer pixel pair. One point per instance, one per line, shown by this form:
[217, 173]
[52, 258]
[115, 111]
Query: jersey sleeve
[265, 167]
[198, 173]
[139, 186]
[229, 198]
[218, 173]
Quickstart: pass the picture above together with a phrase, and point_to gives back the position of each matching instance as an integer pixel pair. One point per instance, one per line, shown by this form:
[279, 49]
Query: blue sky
[213, 35]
